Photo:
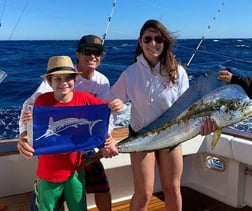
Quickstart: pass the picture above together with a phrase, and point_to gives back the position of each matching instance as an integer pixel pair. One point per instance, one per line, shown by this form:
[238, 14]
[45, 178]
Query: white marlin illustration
[55, 127]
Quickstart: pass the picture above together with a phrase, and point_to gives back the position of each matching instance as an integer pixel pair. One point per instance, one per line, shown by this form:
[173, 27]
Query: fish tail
[172, 147]
[91, 125]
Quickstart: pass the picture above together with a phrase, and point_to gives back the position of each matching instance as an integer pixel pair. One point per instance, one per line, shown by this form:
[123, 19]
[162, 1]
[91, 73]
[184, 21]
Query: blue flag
[68, 129]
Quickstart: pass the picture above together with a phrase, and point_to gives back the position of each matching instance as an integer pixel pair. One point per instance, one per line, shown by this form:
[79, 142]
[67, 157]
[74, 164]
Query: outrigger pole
[3, 75]
[2, 12]
[203, 37]
[19, 18]
[109, 20]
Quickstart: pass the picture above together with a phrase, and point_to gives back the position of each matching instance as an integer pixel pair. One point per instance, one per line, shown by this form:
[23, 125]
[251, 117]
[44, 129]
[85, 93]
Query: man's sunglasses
[89, 52]
[148, 39]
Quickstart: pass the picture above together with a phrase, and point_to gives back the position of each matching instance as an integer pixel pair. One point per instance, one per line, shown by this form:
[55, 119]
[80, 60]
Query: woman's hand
[208, 126]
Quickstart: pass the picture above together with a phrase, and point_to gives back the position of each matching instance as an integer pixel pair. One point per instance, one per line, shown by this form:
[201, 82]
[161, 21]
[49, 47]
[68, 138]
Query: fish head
[245, 108]
[230, 112]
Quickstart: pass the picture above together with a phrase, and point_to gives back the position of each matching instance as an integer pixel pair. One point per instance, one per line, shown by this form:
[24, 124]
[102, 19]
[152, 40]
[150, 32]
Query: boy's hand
[26, 116]
[24, 147]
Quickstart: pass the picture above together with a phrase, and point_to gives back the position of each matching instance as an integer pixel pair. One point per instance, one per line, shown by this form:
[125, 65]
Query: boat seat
[242, 150]
[202, 144]
[121, 160]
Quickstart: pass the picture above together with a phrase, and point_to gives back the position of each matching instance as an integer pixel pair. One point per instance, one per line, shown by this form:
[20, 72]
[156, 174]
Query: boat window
[215, 163]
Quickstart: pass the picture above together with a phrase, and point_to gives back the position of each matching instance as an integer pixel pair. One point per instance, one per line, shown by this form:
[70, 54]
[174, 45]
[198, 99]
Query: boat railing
[9, 146]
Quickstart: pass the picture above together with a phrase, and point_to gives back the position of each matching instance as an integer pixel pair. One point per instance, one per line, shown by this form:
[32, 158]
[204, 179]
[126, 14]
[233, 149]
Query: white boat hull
[232, 186]
[16, 175]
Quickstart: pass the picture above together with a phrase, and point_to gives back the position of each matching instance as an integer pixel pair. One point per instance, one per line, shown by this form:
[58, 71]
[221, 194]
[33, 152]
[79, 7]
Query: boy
[57, 172]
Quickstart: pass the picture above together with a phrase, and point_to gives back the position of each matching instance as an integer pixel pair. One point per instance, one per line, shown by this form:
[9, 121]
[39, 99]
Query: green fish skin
[226, 105]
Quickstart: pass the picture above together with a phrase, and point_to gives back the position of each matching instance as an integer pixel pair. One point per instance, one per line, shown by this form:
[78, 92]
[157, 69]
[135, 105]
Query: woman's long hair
[168, 63]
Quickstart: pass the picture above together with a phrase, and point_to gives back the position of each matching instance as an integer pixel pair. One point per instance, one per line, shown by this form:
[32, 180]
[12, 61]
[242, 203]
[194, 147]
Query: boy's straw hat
[59, 65]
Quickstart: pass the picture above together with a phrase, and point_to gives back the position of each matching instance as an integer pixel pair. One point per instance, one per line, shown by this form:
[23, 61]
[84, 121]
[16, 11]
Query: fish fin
[50, 121]
[171, 148]
[216, 138]
[92, 125]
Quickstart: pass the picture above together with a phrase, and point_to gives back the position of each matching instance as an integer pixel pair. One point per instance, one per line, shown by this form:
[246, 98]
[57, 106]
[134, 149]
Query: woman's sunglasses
[148, 39]
[89, 52]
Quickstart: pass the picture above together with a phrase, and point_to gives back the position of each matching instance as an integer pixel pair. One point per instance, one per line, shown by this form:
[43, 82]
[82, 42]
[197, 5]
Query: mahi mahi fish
[226, 105]
[207, 96]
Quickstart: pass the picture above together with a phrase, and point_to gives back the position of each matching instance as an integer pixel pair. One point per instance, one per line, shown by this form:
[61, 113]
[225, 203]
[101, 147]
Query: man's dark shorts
[96, 179]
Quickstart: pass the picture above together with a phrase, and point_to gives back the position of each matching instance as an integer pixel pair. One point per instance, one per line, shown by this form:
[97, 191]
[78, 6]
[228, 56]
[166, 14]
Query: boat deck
[192, 201]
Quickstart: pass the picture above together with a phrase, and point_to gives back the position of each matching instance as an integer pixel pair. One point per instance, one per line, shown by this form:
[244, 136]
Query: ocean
[25, 61]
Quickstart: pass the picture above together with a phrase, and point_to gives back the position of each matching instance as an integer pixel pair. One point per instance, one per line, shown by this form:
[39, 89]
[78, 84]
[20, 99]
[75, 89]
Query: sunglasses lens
[159, 39]
[148, 39]
[89, 52]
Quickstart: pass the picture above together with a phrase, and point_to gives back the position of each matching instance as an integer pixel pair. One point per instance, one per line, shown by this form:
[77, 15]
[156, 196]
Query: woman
[152, 84]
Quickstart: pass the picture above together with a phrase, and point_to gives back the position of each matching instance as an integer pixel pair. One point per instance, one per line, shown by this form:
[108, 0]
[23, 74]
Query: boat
[213, 179]
[219, 178]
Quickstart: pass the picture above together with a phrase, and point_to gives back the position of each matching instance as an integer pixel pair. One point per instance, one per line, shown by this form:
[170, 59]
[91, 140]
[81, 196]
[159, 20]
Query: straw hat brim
[60, 72]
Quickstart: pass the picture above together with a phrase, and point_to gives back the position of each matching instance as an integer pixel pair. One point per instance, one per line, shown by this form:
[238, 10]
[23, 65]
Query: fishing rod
[204, 36]
[109, 20]
[25, 6]
[2, 12]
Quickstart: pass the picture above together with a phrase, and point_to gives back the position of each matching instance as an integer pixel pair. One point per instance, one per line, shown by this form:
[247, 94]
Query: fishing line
[204, 36]
[25, 6]
[219, 55]
[228, 57]
[109, 20]
[2, 12]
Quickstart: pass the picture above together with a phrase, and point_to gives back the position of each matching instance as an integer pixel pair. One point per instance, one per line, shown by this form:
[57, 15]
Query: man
[89, 53]
[244, 81]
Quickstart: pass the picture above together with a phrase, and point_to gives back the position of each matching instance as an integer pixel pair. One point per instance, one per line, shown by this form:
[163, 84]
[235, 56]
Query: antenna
[203, 37]
[109, 20]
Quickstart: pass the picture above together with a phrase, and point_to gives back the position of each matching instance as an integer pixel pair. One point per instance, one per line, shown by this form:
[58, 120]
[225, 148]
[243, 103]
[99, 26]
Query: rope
[109, 20]
[25, 6]
[203, 37]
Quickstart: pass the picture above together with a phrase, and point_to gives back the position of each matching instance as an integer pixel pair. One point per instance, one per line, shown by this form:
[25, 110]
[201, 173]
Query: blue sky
[70, 19]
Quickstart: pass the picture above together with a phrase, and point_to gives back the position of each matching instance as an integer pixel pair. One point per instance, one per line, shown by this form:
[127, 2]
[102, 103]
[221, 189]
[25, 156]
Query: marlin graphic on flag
[67, 129]
[56, 127]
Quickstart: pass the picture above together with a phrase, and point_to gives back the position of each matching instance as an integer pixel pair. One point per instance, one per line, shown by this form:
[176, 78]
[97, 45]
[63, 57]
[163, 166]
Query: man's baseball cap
[90, 41]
